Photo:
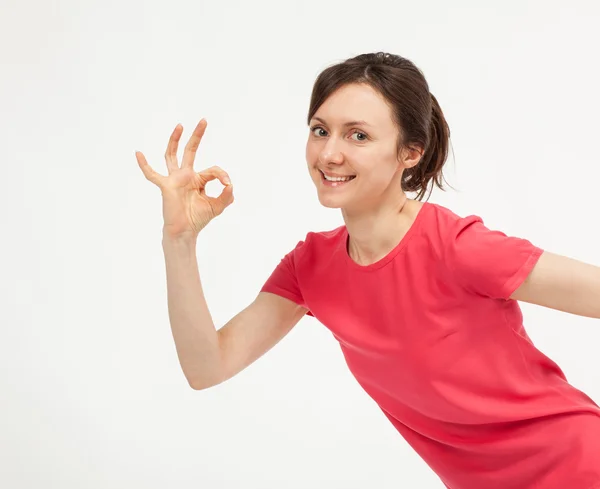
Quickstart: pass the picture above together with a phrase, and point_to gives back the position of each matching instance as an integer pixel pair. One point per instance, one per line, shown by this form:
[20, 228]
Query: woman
[422, 301]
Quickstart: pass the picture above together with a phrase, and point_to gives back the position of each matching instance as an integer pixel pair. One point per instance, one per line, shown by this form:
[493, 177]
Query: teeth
[337, 179]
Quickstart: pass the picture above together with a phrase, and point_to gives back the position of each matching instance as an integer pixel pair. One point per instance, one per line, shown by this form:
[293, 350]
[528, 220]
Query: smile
[335, 181]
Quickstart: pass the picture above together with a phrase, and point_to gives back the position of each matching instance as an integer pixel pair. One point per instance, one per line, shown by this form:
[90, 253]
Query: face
[352, 152]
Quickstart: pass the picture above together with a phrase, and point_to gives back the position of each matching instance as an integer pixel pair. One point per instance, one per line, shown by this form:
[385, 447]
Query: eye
[316, 128]
[365, 137]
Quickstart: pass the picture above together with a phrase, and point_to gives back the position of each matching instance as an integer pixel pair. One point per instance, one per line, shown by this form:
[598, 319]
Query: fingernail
[227, 181]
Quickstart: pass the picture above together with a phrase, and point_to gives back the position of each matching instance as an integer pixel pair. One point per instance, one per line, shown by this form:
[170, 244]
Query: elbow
[197, 386]
[206, 378]
[203, 384]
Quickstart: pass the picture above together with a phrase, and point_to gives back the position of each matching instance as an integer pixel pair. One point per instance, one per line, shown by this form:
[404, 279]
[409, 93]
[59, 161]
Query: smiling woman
[421, 300]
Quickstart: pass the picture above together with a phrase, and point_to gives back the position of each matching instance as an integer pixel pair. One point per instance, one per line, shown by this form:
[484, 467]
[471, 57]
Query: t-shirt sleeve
[283, 281]
[488, 262]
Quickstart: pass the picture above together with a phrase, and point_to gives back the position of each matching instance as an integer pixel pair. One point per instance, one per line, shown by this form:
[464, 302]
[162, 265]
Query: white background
[91, 391]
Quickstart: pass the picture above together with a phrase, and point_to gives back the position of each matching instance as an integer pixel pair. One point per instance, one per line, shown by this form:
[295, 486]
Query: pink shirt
[431, 334]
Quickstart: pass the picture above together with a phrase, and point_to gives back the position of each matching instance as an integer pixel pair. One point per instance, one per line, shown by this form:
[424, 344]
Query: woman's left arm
[564, 284]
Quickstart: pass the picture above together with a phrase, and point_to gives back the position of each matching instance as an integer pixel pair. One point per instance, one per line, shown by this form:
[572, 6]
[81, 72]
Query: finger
[223, 201]
[189, 154]
[214, 173]
[171, 153]
[147, 170]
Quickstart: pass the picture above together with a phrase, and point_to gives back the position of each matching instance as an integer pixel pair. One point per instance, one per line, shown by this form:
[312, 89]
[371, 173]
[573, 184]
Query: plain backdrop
[91, 391]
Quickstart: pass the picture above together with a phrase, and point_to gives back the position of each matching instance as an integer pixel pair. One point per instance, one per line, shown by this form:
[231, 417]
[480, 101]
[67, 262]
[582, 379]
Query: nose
[331, 154]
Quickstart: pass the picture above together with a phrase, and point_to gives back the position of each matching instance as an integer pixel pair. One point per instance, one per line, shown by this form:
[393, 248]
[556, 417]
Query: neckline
[392, 254]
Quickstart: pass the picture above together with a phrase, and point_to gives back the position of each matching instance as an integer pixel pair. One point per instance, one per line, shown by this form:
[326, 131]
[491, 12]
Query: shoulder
[324, 238]
[449, 221]
[316, 244]
[444, 228]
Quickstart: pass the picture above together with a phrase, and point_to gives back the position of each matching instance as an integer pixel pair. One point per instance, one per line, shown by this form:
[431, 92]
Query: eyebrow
[346, 124]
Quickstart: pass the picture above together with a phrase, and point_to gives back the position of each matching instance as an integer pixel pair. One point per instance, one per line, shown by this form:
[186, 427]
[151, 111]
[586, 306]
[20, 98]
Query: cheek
[376, 173]
[312, 153]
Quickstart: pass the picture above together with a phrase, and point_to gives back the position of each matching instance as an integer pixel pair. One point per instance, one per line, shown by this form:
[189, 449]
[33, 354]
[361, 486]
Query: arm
[207, 356]
[564, 284]
[256, 330]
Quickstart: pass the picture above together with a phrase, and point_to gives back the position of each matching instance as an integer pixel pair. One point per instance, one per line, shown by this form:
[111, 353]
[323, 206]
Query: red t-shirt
[431, 334]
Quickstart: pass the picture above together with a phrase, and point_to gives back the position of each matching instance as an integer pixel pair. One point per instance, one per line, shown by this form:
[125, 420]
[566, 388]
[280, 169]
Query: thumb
[224, 200]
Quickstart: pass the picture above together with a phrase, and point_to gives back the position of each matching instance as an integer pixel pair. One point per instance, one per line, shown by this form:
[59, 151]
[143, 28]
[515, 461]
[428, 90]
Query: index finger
[189, 154]
[214, 173]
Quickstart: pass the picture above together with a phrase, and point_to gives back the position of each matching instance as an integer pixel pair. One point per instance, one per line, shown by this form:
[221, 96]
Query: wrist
[179, 240]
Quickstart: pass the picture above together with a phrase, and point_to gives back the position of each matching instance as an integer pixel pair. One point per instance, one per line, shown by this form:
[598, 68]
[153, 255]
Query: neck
[374, 233]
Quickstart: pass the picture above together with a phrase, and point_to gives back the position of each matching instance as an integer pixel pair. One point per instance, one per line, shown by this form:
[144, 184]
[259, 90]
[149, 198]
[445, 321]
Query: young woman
[422, 301]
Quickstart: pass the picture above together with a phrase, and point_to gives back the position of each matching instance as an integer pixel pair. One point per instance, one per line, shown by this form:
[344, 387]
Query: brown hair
[415, 110]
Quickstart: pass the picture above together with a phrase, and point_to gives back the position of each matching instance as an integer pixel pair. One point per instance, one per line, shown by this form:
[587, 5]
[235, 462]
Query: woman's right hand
[186, 207]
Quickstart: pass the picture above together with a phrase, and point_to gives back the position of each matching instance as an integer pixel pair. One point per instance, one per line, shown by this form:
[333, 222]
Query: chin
[331, 203]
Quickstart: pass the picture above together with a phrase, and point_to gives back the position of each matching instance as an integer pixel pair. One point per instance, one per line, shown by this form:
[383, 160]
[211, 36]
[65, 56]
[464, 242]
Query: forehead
[356, 102]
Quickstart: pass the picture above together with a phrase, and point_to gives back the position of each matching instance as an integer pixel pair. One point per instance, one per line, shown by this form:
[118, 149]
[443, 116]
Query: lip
[335, 184]
[335, 175]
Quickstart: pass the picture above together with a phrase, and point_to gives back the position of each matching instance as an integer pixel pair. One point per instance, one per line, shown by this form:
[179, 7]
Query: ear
[410, 156]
